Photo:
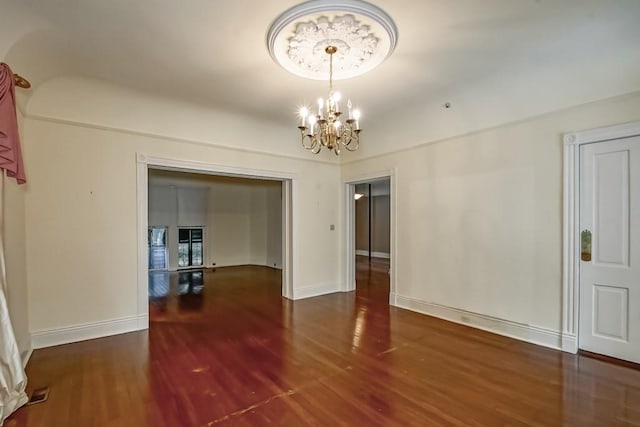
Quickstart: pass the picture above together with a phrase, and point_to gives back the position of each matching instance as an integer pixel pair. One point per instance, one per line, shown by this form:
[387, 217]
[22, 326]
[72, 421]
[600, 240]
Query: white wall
[242, 229]
[479, 217]
[258, 226]
[229, 223]
[274, 225]
[81, 213]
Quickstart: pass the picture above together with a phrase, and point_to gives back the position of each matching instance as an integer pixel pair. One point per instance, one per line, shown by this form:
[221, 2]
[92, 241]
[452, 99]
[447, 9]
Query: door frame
[571, 223]
[349, 183]
[145, 162]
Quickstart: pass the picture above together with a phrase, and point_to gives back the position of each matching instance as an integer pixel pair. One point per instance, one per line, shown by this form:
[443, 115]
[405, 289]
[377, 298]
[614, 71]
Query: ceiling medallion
[363, 34]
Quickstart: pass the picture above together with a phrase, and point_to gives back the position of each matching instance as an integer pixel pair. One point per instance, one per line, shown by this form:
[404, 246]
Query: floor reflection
[190, 290]
[158, 284]
[182, 290]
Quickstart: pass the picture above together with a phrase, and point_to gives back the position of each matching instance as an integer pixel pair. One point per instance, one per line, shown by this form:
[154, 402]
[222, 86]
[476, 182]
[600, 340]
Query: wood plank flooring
[236, 353]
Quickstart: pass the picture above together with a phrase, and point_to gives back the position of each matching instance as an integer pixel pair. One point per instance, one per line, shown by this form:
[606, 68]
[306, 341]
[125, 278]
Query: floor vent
[39, 395]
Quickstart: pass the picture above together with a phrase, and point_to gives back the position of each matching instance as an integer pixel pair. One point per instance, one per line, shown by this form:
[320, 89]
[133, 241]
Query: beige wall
[81, 218]
[479, 217]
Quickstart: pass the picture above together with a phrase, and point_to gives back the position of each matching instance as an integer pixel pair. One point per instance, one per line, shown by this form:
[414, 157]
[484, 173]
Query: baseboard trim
[242, 263]
[75, 333]
[315, 290]
[569, 343]
[519, 331]
[373, 254]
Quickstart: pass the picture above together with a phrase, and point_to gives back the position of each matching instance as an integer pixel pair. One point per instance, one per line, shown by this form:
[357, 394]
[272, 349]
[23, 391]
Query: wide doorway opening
[210, 235]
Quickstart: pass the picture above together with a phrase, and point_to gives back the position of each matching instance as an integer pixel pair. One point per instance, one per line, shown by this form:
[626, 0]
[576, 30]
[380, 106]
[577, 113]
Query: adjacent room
[203, 227]
[320, 213]
[372, 229]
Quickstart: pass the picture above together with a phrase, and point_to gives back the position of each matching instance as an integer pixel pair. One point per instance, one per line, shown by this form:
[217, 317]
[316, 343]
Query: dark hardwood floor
[233, 352]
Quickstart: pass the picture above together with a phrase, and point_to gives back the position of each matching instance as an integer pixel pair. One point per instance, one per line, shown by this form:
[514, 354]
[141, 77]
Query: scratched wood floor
[236, 353]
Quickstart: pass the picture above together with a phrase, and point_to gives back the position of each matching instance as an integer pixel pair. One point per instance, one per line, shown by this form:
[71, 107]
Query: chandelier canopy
[325, 129]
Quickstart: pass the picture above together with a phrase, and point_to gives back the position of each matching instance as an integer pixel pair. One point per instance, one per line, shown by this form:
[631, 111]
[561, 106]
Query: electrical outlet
[332, 227]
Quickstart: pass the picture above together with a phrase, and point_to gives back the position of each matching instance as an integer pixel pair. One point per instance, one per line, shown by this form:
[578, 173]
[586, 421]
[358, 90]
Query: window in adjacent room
[157, 240]
[190, 247]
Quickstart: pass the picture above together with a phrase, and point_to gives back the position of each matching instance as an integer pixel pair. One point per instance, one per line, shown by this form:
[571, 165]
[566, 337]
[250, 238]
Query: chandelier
[325, 128]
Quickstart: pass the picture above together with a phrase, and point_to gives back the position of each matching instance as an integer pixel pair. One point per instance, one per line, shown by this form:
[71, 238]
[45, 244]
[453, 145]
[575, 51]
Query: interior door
[610, 248]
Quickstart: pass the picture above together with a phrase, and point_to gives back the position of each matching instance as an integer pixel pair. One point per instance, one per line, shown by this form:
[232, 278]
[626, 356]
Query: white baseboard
[315, 290]
[569, 343]
[393, 299]
[373, 254]
[232, 263]
[519, 331]
[69, 334]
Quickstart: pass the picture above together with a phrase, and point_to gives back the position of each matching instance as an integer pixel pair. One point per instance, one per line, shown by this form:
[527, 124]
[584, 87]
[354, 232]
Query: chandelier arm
[307, 141]
[353, 147]
[353, 140]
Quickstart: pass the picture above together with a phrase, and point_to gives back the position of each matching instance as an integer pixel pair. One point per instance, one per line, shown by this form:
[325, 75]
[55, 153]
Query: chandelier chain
[331, 74]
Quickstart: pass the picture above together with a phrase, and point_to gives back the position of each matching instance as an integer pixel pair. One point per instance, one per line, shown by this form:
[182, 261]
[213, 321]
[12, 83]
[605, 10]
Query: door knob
[585, 245]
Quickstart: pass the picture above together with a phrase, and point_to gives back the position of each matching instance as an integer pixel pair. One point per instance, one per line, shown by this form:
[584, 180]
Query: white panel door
[610, 267]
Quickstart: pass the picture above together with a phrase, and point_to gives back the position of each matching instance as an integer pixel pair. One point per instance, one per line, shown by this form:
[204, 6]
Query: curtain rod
[21, 81]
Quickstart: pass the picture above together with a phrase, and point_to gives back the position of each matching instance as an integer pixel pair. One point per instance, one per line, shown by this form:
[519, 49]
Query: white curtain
[13, 380]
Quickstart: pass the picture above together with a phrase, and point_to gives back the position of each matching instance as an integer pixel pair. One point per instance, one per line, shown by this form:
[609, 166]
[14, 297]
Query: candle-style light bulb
[350, 106]
[336, 99]
[356, 116]
[303, 115]
[320, 102]
[312, 125]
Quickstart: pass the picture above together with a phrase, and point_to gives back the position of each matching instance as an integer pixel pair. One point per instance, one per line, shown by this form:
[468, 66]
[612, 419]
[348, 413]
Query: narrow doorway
[372, 239]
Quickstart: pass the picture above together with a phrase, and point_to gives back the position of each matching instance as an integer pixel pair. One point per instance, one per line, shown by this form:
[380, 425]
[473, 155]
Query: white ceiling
[476, 54]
